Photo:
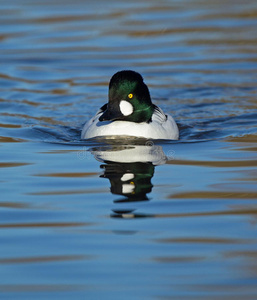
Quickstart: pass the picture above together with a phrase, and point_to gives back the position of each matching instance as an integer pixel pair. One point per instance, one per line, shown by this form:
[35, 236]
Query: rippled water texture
[93, 220]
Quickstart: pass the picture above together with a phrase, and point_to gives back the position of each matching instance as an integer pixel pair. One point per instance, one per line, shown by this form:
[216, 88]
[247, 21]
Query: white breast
[160, 128]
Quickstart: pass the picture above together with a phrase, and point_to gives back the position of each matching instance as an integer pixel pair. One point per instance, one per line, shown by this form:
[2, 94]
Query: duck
[130, 112]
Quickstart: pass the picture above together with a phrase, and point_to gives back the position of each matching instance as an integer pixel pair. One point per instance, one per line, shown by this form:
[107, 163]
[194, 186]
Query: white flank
[126, 108]
[127, 176]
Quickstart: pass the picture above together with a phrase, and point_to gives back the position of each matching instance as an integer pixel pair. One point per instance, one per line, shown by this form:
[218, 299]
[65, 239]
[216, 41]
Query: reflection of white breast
[132, 153]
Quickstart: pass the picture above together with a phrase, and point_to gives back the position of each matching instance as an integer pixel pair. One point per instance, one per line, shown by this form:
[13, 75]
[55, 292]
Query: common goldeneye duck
[130, 112]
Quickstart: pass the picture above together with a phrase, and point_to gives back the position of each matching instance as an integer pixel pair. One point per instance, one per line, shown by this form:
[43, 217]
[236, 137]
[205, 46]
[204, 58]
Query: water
[90, 220]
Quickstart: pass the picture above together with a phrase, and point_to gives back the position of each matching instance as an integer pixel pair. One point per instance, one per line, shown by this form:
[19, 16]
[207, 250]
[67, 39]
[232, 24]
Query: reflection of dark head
[132, 180]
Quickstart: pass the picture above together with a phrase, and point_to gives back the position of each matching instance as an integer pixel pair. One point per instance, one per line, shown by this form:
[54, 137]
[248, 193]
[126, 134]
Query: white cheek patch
[127, 176]
[126, 108]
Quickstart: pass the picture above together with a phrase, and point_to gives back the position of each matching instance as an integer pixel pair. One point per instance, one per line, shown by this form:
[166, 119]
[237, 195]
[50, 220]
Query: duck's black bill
[107, 116]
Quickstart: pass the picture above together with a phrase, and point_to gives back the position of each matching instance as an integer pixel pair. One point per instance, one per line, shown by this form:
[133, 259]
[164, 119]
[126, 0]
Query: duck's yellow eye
[130, 96]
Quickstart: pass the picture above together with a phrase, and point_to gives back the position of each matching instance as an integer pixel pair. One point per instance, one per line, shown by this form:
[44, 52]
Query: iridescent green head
[129, 99]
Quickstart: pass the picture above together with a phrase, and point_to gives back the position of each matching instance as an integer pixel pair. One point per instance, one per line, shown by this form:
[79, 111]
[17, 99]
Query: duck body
[130, 113]
[161, 127]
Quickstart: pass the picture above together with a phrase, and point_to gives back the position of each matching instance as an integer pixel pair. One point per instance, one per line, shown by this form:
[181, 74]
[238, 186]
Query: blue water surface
[184, 225]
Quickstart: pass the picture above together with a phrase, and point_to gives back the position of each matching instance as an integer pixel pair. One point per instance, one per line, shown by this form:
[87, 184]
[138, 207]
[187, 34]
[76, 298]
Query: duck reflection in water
[130, 169]
[132, 180]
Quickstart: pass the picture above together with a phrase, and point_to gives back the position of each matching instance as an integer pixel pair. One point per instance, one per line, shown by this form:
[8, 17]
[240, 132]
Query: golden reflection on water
[14, 205]
[66, 174]
[248, 138]
[43, 225]
[10, 126]
[12, 164]
[215, 164]
[49, 120]
[204, 240]
[214, 195]
[43, 259]
[68, 192]
[5, 139]
[178, 259]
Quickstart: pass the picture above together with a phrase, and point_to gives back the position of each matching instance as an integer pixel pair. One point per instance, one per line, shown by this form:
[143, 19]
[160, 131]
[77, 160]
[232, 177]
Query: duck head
[129, 99]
